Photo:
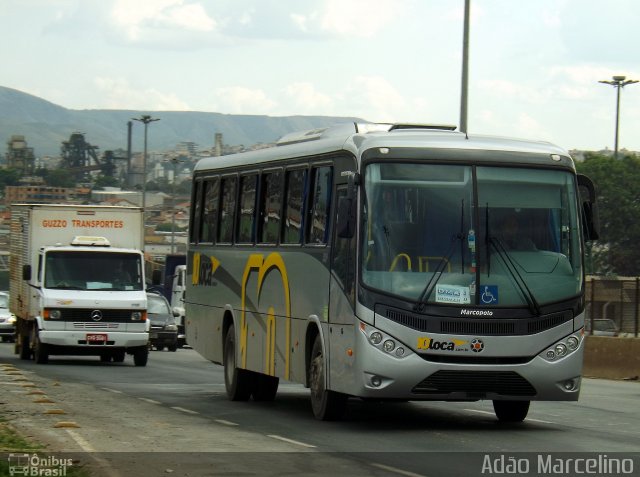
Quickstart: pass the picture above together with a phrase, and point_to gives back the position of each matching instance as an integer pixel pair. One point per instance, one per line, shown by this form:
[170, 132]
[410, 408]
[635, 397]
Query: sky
[534, 65]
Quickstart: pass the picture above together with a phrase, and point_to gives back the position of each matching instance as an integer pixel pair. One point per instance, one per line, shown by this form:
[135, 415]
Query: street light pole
[173, 202]
[618, 82]
[145, 119]
[464, 89]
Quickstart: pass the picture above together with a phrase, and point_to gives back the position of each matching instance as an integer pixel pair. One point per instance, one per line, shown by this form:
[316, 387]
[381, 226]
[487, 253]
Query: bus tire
[265, 387]
[41, 352]
[326, 405]
[141, 356]
[239, 383]
[511, 411]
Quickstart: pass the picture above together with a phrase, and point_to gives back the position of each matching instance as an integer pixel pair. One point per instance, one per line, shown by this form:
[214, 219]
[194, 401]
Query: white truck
[77, 284]
[170, 281]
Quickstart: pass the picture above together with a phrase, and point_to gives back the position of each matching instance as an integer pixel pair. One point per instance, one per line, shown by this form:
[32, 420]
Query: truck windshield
[460, 235]
[82, 270]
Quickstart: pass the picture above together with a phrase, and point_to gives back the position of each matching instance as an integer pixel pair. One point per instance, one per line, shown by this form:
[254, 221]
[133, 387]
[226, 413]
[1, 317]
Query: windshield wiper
[433, 281]
[532, 303]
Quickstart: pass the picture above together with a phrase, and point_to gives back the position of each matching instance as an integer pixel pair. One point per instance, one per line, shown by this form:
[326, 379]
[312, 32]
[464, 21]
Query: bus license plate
[96, 338]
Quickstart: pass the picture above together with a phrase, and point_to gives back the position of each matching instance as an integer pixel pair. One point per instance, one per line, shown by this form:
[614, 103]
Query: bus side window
[209, 211]
[247, 222]
[196, 219]
[270, 206]
[227, 209]
[321, 202]
[295, 186]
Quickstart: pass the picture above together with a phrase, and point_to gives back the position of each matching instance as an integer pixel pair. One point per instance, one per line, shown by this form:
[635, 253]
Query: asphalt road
[410, 439]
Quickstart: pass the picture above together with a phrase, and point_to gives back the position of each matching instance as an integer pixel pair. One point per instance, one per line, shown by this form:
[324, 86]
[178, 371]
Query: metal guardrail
[617, 299]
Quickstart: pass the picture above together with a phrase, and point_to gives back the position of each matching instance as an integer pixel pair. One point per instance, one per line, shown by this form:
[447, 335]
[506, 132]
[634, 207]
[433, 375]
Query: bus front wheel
[238, 382]
[511, 411]
[327, 405]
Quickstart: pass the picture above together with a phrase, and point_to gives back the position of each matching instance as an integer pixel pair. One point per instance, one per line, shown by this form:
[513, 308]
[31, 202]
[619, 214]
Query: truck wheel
[25, 350]
[327, 405]
[173, 347]
[141, 356]
[265, 388]
[238, 382]
[511, 411]
[41, 352]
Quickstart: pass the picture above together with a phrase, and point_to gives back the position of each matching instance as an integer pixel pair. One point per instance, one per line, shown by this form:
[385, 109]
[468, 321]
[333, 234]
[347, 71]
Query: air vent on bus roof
[441, 127]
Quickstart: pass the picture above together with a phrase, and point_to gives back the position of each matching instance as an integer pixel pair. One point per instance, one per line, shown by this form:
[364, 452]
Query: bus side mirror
[346, 217]
[26, 272]
[590, 219]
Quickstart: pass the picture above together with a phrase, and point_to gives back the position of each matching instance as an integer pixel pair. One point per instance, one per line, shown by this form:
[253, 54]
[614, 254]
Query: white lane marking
[491, 414]
[150, 401]
[226, 423]
[539, 420]
[84, 445]
[480, 412]
[397, 471]
[188, 411]
[112, 390]
[105, 466]
[290, 441]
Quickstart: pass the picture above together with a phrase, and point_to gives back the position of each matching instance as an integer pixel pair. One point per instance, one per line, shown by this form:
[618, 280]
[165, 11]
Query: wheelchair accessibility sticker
[489, 294]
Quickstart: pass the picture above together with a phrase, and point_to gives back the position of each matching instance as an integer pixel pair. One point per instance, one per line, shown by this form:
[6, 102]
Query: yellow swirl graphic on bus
[265, 267]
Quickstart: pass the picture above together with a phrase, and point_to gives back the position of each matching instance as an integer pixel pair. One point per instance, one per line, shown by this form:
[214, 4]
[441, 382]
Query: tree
[618, 186]
[106, 181]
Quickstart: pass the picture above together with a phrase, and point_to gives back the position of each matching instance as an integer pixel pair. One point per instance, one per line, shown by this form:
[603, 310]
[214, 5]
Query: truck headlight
[138, 316]
[50, 314]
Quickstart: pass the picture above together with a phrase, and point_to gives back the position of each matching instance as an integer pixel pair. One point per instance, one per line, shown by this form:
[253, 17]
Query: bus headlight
[562, 348]
[384, 342]
[389, 346]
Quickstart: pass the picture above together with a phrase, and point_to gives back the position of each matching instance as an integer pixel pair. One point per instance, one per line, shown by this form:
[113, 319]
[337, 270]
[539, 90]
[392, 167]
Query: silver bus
[392, 262]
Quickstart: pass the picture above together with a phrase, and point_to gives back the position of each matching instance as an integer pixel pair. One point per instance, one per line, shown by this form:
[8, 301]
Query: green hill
[45, 125]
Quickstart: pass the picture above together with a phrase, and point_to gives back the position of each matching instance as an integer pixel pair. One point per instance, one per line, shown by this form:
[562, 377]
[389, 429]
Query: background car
[164, 330]
[601, 327]
[7, 319]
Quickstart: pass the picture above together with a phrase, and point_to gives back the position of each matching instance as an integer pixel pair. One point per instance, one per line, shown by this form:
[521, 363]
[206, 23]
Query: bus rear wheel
[511, 411]
[327, 405]
[239, 383]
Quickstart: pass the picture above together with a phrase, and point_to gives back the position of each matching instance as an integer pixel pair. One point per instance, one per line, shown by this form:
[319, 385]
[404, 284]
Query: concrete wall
[612, 358]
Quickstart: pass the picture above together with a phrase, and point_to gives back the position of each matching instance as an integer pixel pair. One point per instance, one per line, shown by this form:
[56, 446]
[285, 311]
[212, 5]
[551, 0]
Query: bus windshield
[471, 235]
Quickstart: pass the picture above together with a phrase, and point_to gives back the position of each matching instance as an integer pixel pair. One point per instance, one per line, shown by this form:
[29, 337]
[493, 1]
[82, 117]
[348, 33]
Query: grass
[11, 442]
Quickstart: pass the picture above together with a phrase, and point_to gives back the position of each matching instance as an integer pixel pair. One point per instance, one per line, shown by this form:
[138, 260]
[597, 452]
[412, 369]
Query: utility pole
[618, 82]
[145, 119]
[464, 90]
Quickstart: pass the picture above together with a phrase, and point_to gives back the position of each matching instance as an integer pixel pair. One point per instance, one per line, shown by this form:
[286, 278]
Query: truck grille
[84, 315]
[507, 383]
[95, 326]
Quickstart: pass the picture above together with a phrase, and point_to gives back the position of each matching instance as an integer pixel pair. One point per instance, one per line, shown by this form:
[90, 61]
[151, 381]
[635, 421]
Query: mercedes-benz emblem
[96, 315]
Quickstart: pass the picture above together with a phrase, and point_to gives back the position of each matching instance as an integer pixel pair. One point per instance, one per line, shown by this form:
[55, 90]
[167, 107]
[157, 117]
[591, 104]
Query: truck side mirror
[26, 272]
[156, 277]
[590, 219]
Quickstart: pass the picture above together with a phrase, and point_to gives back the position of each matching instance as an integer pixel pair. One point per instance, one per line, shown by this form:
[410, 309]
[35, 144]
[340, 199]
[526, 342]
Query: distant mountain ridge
[45, 125]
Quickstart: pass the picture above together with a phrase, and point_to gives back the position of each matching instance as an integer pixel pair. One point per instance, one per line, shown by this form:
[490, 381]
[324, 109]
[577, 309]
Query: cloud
[305, 99]
[360, 18]
[241, 100]
[137, 19]
[116, 93]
